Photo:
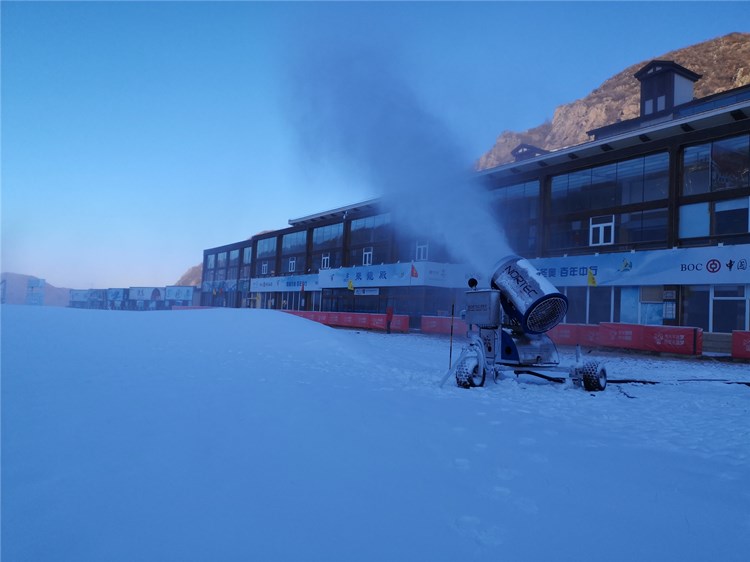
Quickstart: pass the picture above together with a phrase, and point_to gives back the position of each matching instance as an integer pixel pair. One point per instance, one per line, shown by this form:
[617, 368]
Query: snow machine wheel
[469, 374]
[477, 376]
[594, 377]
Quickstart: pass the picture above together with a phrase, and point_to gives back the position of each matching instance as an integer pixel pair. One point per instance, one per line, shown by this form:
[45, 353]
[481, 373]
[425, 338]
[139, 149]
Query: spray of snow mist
[356, 108]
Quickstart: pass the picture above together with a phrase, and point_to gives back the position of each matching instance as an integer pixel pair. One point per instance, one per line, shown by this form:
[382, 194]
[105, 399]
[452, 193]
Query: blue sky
[137, 134]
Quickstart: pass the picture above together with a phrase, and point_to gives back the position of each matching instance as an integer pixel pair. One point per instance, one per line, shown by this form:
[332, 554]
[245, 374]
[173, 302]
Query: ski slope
[236, 435]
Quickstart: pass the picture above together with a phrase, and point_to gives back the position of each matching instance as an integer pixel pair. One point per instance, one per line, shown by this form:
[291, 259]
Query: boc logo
[713, 266]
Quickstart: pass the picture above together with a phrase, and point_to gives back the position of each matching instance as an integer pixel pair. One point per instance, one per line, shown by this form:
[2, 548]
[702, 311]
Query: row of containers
[662, 339]
[136, 298]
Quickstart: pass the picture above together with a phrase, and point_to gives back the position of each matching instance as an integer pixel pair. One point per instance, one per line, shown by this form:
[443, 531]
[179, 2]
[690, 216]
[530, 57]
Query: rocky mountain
[192, 277]
[15, 290]
[724, 63]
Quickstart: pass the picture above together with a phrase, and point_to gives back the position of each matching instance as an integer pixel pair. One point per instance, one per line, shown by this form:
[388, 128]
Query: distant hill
[724, 63]
[192, 277]
[15, 291]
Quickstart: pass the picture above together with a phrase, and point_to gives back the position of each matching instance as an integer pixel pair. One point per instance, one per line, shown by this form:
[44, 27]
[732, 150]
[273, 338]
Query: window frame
[601, 229]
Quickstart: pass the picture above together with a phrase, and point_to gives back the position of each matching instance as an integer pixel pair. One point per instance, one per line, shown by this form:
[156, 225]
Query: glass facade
[715, 218]
[714, 172]
[517, 207]
[716, 166]
[265, 257]
[327, 246]
[293, 252]
[370, 240]
[577, 198]
[636, 180]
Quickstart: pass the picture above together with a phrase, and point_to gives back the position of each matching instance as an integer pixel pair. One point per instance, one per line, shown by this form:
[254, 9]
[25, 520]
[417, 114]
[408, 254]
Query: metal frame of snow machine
[507, 331]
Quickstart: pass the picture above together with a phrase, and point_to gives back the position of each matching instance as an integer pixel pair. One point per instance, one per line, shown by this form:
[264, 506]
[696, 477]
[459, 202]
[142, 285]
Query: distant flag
[592, 279]
[350, 285]
[414, 272]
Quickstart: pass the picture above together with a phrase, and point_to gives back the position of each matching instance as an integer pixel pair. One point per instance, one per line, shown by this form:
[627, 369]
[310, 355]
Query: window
[600, 304]
[730, 161]
[234, 258]
[210, 258]
[367, 256]
[370, 229]
[695, 299]
[293, 243]
[247, 255]
[729, 308]
[602, 230]
[655, 176]
[422, 248]
[330, 236]
[722, 164]
[695, 220]
[626, 182]
[576, 305]
[264, 268]
[652, 293]
[292, 264]
[266, 248]
[716, 218]
[325, 261]
[221, 260]
[696, 165]
[731, 217]
[517, 208]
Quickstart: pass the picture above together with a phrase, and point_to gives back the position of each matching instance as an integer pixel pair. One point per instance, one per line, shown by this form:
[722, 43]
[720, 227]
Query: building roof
[715, 101]
[661, 66]
[722, 109]
[340, 213]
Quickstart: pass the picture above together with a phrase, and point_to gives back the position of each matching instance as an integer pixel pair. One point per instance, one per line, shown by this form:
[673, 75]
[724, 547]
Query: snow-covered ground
[237, 435]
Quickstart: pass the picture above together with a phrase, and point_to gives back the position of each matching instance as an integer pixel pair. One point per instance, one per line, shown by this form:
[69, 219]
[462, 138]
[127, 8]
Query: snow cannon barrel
[527, 296]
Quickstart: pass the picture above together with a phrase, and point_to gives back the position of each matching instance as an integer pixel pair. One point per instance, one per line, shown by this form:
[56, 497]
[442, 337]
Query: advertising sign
[396, 275]
[146, 294]
[289, 283]
[114, 295]
[79, 295]
[678, 266]
[178, 293]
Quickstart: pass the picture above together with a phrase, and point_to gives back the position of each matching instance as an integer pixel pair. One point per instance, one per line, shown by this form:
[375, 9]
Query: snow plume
[355, 109]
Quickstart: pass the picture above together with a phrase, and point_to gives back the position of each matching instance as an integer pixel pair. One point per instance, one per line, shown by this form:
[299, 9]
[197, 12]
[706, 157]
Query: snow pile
[223, 435]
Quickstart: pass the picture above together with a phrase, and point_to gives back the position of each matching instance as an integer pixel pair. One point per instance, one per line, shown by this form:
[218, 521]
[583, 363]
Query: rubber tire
[594, 377]
[462, 382]
[475, 379]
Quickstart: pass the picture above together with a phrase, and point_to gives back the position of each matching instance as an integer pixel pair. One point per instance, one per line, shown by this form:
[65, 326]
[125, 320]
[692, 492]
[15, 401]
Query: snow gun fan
[507, 330]
[527, 297]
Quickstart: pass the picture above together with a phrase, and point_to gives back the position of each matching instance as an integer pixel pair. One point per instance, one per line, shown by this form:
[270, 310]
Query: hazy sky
[137, 134]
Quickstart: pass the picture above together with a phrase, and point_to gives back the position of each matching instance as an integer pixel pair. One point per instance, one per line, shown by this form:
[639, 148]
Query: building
[135, 298]
[646, 223]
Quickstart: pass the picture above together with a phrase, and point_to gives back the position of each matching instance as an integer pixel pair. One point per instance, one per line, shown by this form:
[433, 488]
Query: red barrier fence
[740, 344]
[665, 339]
[442, 325]
[400, 322]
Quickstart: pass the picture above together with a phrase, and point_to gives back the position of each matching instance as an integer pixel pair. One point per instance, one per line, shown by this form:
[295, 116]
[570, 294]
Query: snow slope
[228, 435]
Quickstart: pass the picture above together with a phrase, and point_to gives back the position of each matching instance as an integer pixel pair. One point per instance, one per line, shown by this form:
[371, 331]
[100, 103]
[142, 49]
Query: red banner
[740, 345]
[442, 325]
[399, 323]
[664, 339]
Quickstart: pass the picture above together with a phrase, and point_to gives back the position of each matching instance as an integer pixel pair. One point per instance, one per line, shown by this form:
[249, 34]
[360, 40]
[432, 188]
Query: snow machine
[507, 331]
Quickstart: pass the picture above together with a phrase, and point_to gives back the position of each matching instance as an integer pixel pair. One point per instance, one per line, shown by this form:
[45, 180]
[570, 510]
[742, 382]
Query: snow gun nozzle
[527, 296]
